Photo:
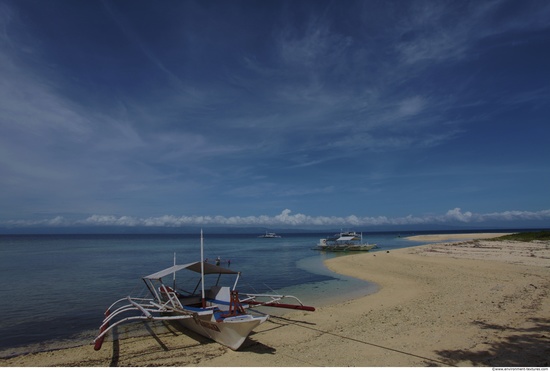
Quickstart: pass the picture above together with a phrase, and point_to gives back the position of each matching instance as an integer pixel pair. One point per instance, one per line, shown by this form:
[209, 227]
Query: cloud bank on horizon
[453, 217]
[398, 109]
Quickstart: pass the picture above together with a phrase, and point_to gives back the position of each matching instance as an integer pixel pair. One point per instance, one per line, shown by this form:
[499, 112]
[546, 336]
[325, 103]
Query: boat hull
[345, 247]
[358, 248]
[231, 332]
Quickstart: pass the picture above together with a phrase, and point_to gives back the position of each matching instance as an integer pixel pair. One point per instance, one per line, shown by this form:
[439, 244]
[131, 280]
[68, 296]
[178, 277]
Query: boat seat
[220, 295]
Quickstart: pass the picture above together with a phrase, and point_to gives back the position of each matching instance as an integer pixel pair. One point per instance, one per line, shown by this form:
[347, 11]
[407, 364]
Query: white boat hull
[231, 332]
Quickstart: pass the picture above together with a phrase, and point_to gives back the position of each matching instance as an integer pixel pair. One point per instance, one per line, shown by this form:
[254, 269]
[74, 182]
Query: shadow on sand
[177, 329]
[518, 347]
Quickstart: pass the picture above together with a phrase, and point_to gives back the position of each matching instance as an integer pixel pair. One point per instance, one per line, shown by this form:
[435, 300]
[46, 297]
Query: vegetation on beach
[525, 236]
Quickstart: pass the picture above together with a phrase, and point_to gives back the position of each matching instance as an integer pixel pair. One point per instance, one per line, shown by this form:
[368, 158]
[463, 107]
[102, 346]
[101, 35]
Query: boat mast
[174, 274]
[202, 270]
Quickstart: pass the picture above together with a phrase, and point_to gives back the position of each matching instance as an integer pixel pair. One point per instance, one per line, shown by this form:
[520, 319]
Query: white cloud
[286, 219]
[519, 215]
[458, 215]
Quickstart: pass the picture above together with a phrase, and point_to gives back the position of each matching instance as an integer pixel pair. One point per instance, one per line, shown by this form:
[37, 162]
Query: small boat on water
[269, 235]
[344, 241]
[219, 312]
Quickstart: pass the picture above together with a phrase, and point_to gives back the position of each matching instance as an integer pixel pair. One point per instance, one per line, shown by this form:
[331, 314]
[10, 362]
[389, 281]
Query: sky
[274, 113]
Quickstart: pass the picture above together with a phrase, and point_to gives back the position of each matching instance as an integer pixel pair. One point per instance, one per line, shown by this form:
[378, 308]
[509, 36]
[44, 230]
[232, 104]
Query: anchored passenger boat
[218, 312]
[344, 241]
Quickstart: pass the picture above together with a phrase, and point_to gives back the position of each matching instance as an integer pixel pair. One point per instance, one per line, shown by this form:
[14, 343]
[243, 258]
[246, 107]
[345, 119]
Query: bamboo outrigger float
[219, 313]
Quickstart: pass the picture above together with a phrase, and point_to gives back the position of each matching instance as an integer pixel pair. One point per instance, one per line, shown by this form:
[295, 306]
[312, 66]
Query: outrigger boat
[219, 313]
[344, 241]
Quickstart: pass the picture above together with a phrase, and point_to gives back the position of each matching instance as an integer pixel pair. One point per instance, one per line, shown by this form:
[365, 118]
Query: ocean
[55, 288]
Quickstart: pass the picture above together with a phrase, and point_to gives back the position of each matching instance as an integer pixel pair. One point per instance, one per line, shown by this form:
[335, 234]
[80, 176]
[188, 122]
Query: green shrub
[525, 236]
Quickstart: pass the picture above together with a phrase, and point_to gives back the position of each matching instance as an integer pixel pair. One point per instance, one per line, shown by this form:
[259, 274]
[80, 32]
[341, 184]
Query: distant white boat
[269, 235]
[219, 312]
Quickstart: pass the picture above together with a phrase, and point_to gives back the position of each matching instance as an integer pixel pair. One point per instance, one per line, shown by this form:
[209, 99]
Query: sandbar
[459, 302]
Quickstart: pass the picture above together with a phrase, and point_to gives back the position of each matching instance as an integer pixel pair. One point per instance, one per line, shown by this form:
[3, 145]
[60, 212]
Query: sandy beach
[460, 301]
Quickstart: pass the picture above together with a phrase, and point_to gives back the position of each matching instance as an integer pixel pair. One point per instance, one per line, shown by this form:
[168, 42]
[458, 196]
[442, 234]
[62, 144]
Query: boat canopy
[195, 267]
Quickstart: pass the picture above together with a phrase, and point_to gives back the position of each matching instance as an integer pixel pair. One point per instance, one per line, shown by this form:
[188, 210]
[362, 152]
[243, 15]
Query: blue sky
[274, 113]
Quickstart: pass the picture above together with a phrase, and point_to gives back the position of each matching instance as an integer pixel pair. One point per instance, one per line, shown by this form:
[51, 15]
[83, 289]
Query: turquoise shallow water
[56, 287]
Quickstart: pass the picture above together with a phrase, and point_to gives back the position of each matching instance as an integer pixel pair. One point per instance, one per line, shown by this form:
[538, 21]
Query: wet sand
[452, 303]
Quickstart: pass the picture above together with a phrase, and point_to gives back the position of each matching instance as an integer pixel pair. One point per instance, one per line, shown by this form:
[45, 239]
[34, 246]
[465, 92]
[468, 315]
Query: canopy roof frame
[194, 267]
[346, 238]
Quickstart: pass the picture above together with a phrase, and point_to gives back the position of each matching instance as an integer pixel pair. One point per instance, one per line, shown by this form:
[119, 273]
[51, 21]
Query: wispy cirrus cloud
[131, 118]
[440, 31]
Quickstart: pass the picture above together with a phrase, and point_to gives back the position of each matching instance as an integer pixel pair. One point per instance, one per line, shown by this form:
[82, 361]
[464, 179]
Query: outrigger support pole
[202, 271]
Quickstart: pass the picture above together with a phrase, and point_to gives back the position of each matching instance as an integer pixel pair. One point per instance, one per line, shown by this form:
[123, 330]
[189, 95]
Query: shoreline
[453, 237]
[451, 303]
